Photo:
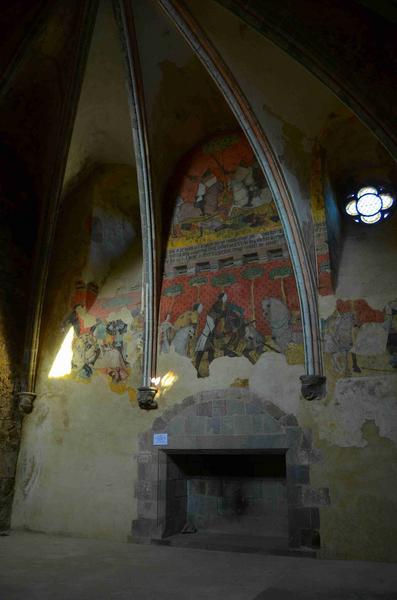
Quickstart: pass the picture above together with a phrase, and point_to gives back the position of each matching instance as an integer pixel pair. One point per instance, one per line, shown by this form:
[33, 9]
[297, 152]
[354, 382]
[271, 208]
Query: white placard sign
[160, 439]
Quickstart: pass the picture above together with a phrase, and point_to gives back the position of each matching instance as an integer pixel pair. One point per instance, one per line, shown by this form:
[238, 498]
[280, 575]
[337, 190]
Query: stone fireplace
[240, 493]
[231, 469]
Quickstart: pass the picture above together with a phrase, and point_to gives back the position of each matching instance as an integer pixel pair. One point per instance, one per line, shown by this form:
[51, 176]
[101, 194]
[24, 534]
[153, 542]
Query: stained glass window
[369, 205]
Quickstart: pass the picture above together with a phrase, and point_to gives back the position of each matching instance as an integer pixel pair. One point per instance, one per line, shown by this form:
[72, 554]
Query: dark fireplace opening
[233, 465]
[233, 497]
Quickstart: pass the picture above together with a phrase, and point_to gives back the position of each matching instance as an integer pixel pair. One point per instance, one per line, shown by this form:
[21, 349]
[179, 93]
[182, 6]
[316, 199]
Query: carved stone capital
[146, 396]
[313, 386]
[25, 402]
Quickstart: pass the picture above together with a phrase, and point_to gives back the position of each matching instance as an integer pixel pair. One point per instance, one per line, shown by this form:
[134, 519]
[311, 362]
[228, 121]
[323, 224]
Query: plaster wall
[358, 417]
[354, 427]
[77, 468]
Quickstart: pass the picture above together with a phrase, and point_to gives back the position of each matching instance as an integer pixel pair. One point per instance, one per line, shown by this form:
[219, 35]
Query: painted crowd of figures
[350, 337]
[221, 206]
[102, 347]
[221, 190]
[227, 332]
[220, 194]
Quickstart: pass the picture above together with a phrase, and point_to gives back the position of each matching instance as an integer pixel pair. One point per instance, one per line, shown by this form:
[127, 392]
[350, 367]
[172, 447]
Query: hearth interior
[229, 493]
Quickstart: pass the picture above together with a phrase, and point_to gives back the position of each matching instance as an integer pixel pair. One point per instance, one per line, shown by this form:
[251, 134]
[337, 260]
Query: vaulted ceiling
[306, 78]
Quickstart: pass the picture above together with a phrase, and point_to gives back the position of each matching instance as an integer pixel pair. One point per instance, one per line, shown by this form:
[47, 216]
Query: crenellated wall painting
[228, 286]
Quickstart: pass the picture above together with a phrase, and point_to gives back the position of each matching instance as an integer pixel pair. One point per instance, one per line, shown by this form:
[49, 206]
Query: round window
[369, 205]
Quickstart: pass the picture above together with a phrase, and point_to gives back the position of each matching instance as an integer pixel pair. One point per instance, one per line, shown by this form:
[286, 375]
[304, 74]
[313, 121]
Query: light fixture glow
[62, 364]
[165, 382]
[168, 380]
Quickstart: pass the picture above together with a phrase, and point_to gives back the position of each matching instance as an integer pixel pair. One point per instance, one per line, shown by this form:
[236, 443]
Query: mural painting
[228, 286]
[107, 336]
[222, 192]
[229, 320]
[359, 339]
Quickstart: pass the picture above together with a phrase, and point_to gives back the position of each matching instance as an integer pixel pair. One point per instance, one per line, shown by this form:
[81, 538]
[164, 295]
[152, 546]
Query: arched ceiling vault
[285, 24]
[46, 50]
[271, 168]
[350, 46]
[20, 22]
[292, 204]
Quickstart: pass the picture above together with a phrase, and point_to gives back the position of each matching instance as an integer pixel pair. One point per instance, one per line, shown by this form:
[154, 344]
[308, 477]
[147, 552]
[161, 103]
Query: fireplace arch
[226, 421]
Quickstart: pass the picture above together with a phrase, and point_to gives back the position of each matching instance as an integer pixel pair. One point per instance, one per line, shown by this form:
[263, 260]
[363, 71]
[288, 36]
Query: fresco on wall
[222, 192]
[228, 286]
[107, 336]
[361, 340]
[227, 324]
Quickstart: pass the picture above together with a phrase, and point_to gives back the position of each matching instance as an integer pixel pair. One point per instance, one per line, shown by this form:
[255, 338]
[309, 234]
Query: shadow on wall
[18, 227]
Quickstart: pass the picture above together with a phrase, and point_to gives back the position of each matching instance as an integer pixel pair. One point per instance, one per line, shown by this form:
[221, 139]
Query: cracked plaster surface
[357, 400]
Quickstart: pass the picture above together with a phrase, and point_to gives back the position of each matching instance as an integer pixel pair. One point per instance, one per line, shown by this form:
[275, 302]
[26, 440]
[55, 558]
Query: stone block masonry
[230, 421]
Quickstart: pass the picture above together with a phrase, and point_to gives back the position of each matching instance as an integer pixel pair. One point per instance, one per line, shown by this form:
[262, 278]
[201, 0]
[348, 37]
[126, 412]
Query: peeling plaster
[327, 305]
[356, 401]
[271, 378]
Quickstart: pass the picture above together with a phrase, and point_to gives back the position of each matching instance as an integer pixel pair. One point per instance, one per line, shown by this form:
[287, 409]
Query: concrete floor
[46, 567]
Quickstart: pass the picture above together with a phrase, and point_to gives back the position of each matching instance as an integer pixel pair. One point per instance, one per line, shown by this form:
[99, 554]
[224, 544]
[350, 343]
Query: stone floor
[46, 567]
[226, 542]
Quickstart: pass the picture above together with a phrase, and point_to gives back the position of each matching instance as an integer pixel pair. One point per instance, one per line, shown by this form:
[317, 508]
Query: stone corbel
[146, 396]
[313, 387]
[25, 401]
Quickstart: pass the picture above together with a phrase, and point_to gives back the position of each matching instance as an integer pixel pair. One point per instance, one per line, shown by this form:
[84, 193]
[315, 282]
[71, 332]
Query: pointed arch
[234, 96]
[84, 15]
[125, 19]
